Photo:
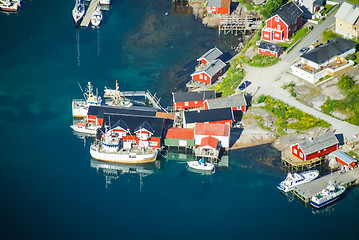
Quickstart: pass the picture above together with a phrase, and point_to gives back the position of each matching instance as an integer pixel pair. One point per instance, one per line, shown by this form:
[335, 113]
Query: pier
[293, 164]
[154, 101]
[89, 12]
[307, 190]
[235, 24]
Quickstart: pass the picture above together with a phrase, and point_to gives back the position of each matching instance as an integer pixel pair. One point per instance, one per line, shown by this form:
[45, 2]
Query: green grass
[354, 1]
[229, 84]
[329, 35]
[261, 60]
[297, 35]
[328, 7]
[283, 112]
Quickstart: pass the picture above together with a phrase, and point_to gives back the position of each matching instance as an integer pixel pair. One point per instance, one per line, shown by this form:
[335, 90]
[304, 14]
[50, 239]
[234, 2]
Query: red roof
[209, 142]
[211, 129]
[180, 133]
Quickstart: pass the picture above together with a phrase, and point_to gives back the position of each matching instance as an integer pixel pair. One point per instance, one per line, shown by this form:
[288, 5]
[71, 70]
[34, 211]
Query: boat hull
[122, 158]
[90, 131]
[196, 165]
[319, 205]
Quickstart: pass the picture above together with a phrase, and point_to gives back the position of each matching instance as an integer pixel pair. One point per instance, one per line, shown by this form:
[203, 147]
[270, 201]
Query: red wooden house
[344, 159]
[315, 147]
[186, 100]
[219, 6]
[270, 49]
[285, 21]
[210, 72]
[210, 56]
[236, 102]
[221, 116]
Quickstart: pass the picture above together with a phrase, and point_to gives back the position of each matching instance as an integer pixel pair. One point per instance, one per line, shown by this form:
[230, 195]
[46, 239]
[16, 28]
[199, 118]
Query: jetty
[90, 10]
[153, 100]
[345, 178]
[235, 24]
[293, 164]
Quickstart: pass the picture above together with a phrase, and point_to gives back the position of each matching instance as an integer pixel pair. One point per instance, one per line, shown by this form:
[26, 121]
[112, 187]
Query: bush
[249, 7]
[345, 82]
[351, 57]
[261, 98]
[261, 60]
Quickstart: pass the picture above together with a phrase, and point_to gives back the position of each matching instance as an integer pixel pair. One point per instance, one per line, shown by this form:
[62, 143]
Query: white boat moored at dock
[295, 179]
[327, 195]
[201, 165]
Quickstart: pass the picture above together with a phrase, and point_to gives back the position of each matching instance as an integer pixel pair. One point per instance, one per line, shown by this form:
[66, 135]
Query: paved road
[268, 81]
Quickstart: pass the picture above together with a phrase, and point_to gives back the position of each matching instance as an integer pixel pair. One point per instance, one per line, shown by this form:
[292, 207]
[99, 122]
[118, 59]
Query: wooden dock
[235, 24]
[293, 164]
[307, 190]
[89, 12]
[154, 101]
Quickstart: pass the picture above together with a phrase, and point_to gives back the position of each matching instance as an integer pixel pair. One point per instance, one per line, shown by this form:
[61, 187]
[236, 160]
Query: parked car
[244, 85]
[303, 50]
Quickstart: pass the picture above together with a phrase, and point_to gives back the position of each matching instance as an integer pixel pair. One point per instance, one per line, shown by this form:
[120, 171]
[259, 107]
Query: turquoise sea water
[49, 190]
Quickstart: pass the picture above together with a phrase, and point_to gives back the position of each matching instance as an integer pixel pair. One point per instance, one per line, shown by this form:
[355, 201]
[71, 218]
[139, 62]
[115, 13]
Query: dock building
[187, 100]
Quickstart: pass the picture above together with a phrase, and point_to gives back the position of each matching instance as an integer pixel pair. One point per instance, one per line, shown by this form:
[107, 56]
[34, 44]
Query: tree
[345, 82]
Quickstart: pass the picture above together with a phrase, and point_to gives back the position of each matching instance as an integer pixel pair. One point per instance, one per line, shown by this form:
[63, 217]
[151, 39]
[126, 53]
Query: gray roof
[211, 115]
[270, 46]
[212, 68]
[289, 12]
[318, 143]
[225, 102]
[344, 157]
[193, 96]
[348, 13]
[326, 51]
[214, 3]
[211, 55]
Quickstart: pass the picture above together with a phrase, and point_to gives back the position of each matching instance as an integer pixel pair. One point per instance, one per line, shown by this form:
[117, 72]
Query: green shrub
[351, 57]
[249, 7]
[260, 60]
[345, 82]
[261, 98]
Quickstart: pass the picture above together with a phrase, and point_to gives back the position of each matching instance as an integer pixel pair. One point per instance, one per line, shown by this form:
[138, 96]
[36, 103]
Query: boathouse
[219, 6]
[285, 21]
[219, 131]
[145, 130]
[96, 113]
[315, 147]
[180, 137]
[344, 159]
[210, 56]
[236, 102]
[270, 49]
[185, 100]
[221, 116]
[210, 72]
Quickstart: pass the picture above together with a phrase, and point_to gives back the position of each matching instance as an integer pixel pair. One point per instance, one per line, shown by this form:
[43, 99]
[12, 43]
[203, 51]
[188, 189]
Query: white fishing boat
[96, 17]
[201, 165]
[88, 128]
[112, 148]
[327, 195]
[105, 2]
[80, 106]
[295, 179]
[116, 97]
[78, 11]
[9, 6]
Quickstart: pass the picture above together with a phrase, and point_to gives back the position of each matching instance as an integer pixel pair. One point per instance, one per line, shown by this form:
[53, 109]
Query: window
[295, 28]
[340, 24]
[278, 27]
[186, 104]
[195, 102]
[301, 155]
[205, 77]
[153, 144]
[295, 151]
[200, 76]
[276, 19]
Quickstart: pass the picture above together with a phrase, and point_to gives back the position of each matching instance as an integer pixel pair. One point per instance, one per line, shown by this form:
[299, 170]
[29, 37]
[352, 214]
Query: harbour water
[50, 190]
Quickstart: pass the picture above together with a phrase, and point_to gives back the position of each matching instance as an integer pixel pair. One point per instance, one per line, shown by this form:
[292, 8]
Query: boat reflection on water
[112, 171]
[325, 210]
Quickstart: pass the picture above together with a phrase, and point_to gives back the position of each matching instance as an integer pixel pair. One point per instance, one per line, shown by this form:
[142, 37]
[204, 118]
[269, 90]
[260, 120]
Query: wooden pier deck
[89, 12]
[235, 24]
[307, 190]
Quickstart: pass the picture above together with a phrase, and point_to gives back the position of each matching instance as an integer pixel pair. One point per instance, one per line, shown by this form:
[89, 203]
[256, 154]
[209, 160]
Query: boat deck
[90, 10]
[307, 190]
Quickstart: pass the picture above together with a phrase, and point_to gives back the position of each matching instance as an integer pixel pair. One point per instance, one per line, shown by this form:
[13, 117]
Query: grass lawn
[296, 37]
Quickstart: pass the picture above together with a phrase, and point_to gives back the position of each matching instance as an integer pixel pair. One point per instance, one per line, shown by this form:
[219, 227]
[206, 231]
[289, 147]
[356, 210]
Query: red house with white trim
[315, 147]
[270, 49]
[344, 159]
[187, 100]
[219, 6]
[285, 21]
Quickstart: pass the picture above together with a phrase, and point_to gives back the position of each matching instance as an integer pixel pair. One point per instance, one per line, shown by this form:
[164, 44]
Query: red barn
[285, 21]
[219, 6]
[315, 147]
[270, 49]
[344, 159]
[208, 73]
[236, 102]
[186, 100]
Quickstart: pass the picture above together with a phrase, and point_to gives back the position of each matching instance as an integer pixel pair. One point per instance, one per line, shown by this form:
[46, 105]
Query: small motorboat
[9, 6]
[201, 165]
[295, 179]
[96, 17]
[78, 11]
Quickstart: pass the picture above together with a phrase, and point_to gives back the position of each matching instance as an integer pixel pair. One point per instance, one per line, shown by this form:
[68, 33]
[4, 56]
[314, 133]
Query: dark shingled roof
[225, 102]
[289, 12]
[99, 111]
[318, 143]
[144, 125]
[326, 51]
[158, 126]
[193, 96]
[270, 46]
[208, 115]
